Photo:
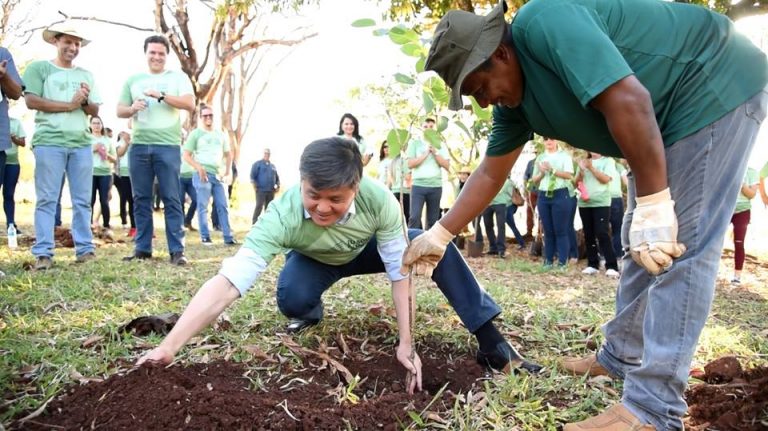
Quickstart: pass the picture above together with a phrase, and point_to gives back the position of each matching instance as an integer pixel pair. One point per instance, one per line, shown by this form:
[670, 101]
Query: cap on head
[50, 33]
[462, 42]
[465, 170]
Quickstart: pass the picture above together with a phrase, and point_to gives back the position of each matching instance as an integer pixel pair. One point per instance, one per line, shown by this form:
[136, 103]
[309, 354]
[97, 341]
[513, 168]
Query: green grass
[46, 317]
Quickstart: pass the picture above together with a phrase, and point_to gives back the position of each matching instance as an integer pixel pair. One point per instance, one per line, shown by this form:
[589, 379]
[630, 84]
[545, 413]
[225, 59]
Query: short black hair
[430, 120]
[157, 39]
[331, 163]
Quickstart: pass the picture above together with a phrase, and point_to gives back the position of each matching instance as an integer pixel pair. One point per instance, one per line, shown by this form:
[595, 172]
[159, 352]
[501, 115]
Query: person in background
[573, 201]
[740, 220]
[12, 87]
[531, 196]
[104, 156]
[385, 165]
[497, 209]
[511, 210]
[617, 206]
[123, 183]
[349, 128]
[265, 182]
[12, 171]
[763, 191]
[230, 188]
[596, 172]
[63, 96]
[400, 178]
[425, 162]
[187, 188]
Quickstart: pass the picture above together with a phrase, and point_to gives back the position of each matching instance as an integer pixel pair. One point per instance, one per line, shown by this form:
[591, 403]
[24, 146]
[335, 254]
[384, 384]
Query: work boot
[587, 365]
[178, 258]
[42, 263]
[298, 325]
[85, 257]
[138, 255]
[504, 358]
[616, 418]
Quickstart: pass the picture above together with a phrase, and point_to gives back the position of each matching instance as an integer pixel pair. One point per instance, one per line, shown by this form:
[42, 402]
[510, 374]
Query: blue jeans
[146, 163]
[102, 184]
[511, 210]
[51, 163]
[496, 241]
[205, 190]
[555, 215]
[10, 179]
[617, 215]
[651, 340]
[57, 217]
[573, 246]
[303, 280]
[186, 188]
[429, 196]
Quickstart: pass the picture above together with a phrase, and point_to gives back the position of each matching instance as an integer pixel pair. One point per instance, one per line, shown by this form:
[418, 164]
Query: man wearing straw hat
[671, 87]
[64, 95]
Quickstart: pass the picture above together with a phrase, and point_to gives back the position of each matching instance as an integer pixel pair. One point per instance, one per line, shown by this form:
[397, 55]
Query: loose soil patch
[731, 399]
[317, 392]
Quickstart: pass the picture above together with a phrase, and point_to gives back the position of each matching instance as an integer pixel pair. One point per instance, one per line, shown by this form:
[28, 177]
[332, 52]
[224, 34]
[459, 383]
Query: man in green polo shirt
[64, 95]
[669, 86]
[337, 224]
[154, 100]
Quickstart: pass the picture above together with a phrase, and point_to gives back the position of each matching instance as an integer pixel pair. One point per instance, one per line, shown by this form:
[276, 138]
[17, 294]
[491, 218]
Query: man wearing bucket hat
[64, 95]
[672, 88]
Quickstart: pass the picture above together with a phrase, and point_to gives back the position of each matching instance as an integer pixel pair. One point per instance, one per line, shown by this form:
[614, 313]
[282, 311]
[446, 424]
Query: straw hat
[50, 33]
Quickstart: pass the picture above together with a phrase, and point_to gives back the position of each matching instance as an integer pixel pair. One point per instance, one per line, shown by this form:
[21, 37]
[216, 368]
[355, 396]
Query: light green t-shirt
[60, 129]
[284, 226]
[428, 173]
[397, 175]
[504, 196]
[160, 123]
[764, 171]
[742, 202]
[186, 171]
[208, 148]
[560, 161]
[124, 167]
[616, 180]
[599, 193]
[102, 167]
[12, 154]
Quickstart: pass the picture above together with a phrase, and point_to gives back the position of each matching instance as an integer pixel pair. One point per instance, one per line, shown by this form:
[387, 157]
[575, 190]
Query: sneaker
[231, 242]
[298, 325]
[584, 366]
[190, 227]
[612, 273]
[590, 271]
[138, 255]
[501, 255]
[42, 263]
[132, 232]
[108, 234]
[85, 257]
[179, 259]
[206, 241]
[735, 281]
[505, 358]
[616, 418]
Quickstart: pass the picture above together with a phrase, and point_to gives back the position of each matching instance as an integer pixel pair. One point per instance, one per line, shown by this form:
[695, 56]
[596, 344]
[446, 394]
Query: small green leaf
[412, 49]
[420, 64]
[429, 104]
[363, 22]
[402, 35]
[482, 114]
[433, 137]
[442, 123]
[439, 92]
[404, 79]
[381, 32]
[416, 418]
[396, 139]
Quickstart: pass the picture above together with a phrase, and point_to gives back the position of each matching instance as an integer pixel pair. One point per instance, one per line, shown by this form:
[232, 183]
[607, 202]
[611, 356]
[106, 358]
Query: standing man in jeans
[204, 151]
[265, 183]
[425, 162]
[154, 99]
[64, 95]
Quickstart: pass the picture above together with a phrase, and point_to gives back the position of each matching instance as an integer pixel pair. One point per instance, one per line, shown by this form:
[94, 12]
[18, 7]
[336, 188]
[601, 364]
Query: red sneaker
[132, 232]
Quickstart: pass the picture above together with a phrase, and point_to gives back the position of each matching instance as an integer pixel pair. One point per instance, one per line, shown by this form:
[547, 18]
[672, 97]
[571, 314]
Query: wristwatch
[162, 97]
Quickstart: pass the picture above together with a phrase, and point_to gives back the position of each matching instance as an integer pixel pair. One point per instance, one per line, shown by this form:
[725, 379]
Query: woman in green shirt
[103, 157]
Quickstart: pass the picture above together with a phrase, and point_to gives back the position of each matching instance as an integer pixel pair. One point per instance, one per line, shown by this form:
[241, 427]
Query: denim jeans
[186, 188]
[146, 163]
[303, 280]
[496, 241]
[595, 222]
[425, 195]
[102, 184]
[10, 179]
[555, 215]
[617, 215]
[51, 163]
[57, 217]
[573, 246]
[511, 210]
[206, 190]
[651, 340]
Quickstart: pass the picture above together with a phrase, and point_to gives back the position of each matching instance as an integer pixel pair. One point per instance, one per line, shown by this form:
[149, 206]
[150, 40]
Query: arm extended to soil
[405, 354]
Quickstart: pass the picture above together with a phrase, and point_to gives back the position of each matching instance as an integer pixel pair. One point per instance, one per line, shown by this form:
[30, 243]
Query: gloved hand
[653, 233]
[426, 250]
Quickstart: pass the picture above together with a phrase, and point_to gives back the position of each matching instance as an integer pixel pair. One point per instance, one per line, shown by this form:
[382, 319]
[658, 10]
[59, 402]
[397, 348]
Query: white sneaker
[612, 273]
[590, 271]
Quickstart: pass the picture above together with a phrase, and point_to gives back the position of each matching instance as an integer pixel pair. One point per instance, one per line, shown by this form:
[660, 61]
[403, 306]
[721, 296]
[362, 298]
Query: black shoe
[140, 255]
[298, 325]
[492, 253]
[178, 259]
[505, 358]
[217, 228]
[231, 242]
[501, 255]
[206, 241]
[190, 227]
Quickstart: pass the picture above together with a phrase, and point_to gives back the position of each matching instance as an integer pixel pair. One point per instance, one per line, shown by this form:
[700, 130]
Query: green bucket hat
[462, 42]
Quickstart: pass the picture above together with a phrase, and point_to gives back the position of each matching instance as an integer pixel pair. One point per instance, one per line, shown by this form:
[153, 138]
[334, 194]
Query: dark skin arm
[628, 111]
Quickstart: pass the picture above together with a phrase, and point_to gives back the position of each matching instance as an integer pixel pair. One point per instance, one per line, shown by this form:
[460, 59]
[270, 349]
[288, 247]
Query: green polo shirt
[161, 124]
[285, 226]
[60, 129]
[696, 67]
[764, 171]
[208, 148]
[615, 185]
[743, 203]
[12, 154]
[599, 193]
[560, 161]
[504, 196]
[428, 173]
[102, 167]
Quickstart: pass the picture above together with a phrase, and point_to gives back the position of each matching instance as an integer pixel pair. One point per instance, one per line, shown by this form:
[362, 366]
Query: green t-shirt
[284, 226]
[599, 193]
[428, 173]
[397, 175]
[615, 184]
[102, 166]
[186, 171]
[160, 123]
[208, 148]
[695, 66]
[742, 202]
[560, 161]
[60, 129]
[12, 154]
[124, 166]
[764, 171]
[504, 196]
